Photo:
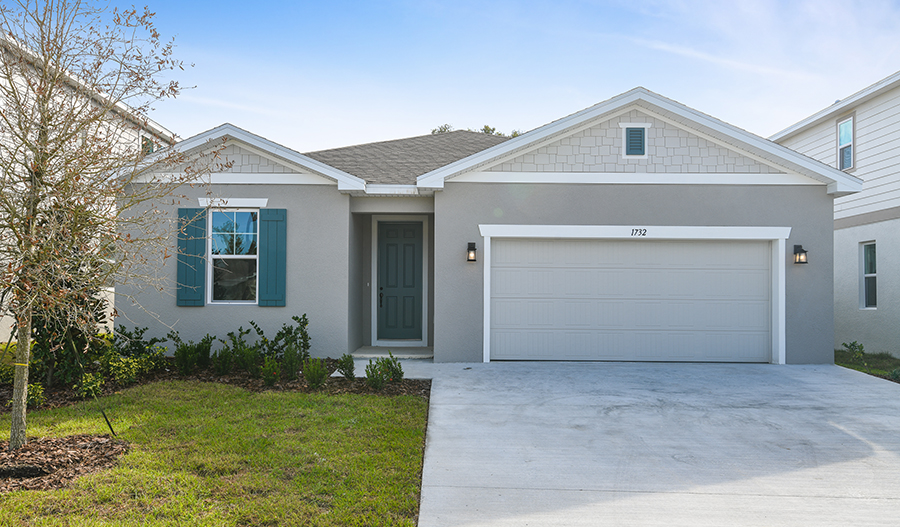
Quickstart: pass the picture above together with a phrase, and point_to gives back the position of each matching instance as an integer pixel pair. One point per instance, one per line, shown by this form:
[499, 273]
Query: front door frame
[394, 218]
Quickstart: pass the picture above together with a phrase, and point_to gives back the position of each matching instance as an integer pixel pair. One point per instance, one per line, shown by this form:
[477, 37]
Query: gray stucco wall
[878, 330]
[461, 207]
[317, 277]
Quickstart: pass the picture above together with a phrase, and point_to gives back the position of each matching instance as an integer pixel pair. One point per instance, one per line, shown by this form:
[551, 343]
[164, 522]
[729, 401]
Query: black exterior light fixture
[470, 253]
[799, 255]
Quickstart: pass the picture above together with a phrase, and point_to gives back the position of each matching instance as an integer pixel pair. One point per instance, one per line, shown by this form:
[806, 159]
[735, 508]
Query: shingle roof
[400, 161]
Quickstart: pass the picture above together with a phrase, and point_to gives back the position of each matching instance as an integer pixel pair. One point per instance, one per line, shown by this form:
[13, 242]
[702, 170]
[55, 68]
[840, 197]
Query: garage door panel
[630, 300]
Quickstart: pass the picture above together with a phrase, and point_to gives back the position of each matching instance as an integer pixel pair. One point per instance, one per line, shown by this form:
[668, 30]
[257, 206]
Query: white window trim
[863, 275]
[210, 256]
[775, 235]
[852, 144]
[374, 281]
[645, 126]
[232, 203]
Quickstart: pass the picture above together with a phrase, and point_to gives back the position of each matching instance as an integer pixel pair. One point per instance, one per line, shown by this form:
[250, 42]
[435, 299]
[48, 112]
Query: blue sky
[321, 74]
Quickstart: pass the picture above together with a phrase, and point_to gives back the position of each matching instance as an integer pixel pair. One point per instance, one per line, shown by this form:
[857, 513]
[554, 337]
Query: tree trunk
[20, 383]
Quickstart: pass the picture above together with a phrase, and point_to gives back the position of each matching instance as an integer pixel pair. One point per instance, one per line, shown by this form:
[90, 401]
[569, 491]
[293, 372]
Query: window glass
[845, 131]
[233, 247]
[845, 144]
[234, 279]
[870, 258]
[870, 289]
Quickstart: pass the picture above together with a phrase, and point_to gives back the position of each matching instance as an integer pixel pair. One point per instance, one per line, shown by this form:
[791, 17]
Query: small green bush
[223, 361]
[90, 386]
[392, 368]
[35, 397]
[245, 356]
[132, 344]
[376, 377]
[315, 371]
[292, 361]
[346, 366]
[203, 351]
[895, 374]
[7, 357]
[185, 357]
[270, 371]
[857, 353]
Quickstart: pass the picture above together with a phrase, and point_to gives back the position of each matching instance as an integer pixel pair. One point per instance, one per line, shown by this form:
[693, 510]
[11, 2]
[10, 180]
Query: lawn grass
[878, 363]
[213, 454]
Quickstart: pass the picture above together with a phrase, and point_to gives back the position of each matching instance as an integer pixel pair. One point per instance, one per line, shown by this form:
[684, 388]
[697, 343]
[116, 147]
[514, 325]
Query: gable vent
[634, 141]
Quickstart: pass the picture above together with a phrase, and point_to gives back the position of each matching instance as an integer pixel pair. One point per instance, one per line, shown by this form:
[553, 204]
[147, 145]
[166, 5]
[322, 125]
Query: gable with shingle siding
[245, 161]
[670, 149]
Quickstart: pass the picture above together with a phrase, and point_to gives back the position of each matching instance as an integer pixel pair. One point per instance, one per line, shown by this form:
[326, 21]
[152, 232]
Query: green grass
[211, 454]
[879, 363]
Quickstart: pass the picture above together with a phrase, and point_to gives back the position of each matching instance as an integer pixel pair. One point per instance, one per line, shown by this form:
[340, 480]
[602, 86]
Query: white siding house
[861, 135]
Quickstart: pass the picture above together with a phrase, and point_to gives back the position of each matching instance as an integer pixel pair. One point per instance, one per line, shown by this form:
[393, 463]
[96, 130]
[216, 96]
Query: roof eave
[842, 106]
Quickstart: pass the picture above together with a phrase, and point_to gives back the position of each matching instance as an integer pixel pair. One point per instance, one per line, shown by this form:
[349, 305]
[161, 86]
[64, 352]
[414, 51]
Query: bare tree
[77, 210]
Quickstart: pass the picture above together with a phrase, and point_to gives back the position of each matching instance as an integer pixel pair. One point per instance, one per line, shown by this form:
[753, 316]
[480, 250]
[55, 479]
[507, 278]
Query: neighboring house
[860, 135]
[636, 229]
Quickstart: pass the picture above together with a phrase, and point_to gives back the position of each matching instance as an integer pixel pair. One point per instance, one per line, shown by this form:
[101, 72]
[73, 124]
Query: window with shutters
[634, 140]
[233, 255]
[845, 147]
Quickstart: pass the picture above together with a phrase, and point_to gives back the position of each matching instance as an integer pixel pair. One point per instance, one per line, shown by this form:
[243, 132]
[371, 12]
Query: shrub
[392, 368]
[185, 357]
[895, 374]
[857, 353]
[223, 361]
[35, 396]
[244, 356]
[346, 366]
[132, 344]
[203, 349]
[90, 385]
[7, 370]
[270, 371]
[376, 377]
[315, 372]
[292, 361]
[123, 370]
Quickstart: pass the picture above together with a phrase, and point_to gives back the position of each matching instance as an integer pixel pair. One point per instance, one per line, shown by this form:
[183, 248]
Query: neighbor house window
[845, 144]
[869, 289]
[634, 139]
[233, 255]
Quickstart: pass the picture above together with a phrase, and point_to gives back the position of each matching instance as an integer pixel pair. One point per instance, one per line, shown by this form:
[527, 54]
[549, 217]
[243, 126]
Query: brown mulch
[46, 463]
[51, 463]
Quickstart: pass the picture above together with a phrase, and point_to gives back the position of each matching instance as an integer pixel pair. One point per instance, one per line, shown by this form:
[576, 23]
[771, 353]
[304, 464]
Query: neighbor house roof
[841, 106]
[401, 161]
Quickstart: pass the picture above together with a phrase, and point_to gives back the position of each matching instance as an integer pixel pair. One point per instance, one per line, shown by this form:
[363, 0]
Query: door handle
[380, 298]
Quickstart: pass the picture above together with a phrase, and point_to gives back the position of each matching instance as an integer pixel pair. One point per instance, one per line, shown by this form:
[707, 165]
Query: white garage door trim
[776, 235]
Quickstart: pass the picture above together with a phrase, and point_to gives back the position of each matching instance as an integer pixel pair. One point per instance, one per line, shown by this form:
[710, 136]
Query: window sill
[868, 309]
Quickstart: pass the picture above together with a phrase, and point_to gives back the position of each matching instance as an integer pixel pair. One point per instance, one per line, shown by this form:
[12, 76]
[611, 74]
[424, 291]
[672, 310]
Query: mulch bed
[51, 463]
[46, 463]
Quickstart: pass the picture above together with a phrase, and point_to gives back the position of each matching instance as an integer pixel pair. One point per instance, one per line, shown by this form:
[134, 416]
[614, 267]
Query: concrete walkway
[578, 444]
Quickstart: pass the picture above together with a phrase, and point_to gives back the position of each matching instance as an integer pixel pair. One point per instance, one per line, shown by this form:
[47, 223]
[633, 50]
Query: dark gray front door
[399, 294]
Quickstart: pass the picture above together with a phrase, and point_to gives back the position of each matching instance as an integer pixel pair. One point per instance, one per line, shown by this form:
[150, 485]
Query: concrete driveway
[547, 444]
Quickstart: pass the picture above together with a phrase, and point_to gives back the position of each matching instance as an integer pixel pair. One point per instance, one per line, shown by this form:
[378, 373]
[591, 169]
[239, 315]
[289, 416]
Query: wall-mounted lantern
[799, 255]
[470, 253]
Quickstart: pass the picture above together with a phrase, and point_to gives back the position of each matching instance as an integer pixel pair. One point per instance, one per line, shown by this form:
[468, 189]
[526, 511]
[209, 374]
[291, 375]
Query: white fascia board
[642, 232]
[637, 178]
[844, 105]
[391, 190]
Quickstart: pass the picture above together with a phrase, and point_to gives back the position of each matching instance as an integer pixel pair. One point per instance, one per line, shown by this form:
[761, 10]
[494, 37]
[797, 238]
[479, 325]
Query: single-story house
[637, 230]
[860, 135]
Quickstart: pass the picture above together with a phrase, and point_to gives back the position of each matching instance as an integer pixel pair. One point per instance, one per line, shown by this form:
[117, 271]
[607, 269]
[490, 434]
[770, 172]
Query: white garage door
[630, 300]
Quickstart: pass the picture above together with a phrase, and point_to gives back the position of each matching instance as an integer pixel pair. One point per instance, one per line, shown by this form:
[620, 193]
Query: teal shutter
[272, 257]
[634, 141]
[191, 257]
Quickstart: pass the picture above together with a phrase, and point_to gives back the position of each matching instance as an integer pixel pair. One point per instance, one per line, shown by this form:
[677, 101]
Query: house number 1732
[638, 232]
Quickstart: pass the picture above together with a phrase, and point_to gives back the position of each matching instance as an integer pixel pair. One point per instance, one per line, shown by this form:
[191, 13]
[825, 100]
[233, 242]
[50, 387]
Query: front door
[399, 294]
